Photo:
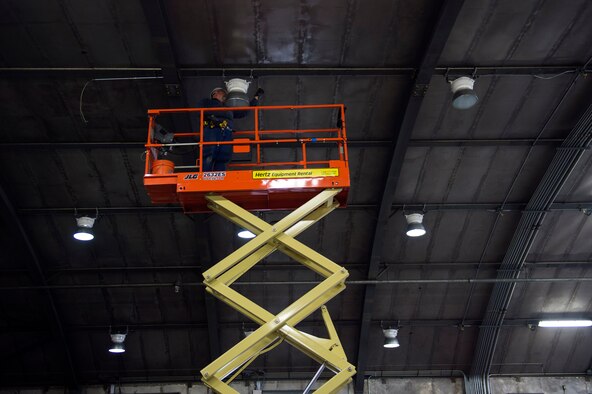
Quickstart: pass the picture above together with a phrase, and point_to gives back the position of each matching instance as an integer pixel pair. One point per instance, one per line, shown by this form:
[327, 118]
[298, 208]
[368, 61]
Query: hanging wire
[556, 75]
[104, 79]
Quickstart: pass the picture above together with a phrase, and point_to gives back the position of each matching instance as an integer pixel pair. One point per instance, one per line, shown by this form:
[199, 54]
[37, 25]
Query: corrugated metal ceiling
[465, 158]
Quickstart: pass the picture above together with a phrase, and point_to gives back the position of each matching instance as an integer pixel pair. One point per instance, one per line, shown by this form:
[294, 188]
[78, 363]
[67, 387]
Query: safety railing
[255, 138]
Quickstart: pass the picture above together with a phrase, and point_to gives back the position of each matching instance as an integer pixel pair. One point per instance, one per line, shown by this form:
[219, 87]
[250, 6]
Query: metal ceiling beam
[454, 142]
[581, 206]
[458, 323]
[262, 71]
[129, 270]
[531, 220]
[37, 275]
[432, 51]
[367, 283]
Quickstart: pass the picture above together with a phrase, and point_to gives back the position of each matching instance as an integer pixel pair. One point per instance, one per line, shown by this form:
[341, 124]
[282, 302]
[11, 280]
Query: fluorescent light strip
[565, 323]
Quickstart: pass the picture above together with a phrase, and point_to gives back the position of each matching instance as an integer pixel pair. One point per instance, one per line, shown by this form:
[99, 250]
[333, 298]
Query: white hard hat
[216, 89]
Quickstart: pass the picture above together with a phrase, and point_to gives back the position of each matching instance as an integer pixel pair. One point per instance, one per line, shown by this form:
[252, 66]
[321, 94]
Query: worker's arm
[253, 103]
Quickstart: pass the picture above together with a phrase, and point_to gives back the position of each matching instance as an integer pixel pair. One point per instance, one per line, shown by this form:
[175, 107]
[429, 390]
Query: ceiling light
[464, 96]
[414, 226]
[84, 231]
[390, 338]
[247, 330]
[245, 234]
[565, 323]
[118, 343]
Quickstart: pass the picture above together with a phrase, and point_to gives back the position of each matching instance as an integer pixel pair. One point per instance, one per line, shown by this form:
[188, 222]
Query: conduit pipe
[308, 283]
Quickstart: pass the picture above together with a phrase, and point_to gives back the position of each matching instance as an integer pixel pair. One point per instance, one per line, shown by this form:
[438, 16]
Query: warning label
[299, 173]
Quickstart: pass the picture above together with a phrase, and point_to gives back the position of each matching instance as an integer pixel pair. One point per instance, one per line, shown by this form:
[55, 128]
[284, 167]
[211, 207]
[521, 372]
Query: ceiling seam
[432, 52]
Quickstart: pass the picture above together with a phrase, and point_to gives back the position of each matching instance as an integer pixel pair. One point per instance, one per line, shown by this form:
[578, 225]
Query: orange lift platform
[255, 184]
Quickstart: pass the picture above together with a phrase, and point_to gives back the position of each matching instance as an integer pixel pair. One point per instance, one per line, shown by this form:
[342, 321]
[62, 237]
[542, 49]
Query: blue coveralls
[217, 157]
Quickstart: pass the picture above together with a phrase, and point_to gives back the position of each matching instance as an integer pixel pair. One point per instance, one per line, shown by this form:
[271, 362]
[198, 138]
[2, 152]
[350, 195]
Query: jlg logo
[191, 176]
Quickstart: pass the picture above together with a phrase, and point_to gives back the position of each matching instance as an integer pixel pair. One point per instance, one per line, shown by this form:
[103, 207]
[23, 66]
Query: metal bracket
[420, 89]
[172, 89]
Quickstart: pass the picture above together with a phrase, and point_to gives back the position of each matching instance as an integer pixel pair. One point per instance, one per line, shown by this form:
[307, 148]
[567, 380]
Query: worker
[218, 126]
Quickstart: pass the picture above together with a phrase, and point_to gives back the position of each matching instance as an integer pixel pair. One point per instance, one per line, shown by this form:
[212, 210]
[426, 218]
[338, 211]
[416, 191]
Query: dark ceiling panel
[564, 236]
[495, 32]
[577, 187]
[192, 33]
[550, 36]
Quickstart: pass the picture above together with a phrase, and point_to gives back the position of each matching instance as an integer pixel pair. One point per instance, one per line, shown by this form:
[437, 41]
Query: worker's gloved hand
[260, 92]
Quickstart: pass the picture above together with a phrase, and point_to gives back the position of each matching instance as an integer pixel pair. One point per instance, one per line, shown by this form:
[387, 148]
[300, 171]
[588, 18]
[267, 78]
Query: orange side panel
[189, 189]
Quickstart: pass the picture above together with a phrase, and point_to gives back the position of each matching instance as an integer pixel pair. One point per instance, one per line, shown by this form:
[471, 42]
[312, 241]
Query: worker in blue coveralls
[218, 127]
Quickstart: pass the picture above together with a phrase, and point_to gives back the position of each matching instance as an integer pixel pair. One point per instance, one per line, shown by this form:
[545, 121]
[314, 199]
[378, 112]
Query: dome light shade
[118, 345]
[84, 234]
[117, 348]
[415, 227]
[464, 96]
[245, 234]
[390, 338]
[84, 231]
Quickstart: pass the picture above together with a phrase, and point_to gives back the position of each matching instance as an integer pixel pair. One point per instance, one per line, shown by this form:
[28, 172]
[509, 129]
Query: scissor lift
[312, 188]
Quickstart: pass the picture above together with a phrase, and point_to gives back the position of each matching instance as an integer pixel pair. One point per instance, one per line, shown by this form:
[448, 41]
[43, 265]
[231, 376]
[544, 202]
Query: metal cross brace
[274, 328]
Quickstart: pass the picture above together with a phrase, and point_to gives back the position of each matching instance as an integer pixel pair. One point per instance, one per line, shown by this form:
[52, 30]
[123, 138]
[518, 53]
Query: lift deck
[312, 188]
[257, 184]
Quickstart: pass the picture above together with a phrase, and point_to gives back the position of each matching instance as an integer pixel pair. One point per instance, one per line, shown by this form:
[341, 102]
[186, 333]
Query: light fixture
[117, 345]
[463, 95]
[415, 227]
[245, 234]
[237, 93]
[390, 338]
[84, 231]
[247, 330]
[565, 323]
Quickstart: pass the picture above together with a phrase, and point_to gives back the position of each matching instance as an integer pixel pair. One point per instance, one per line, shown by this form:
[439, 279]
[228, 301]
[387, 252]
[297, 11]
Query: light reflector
[390, 338]
[415, 227]
[245, 234]
[84, 230]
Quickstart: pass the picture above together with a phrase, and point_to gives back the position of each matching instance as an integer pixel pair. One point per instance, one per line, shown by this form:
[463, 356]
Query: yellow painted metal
[274, 328]
[295, 216]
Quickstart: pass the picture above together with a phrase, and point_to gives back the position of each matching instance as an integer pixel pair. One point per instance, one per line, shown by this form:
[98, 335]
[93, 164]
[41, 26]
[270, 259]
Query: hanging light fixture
[565, 323]
[237, 93]
[245, 234]
[247, 330]
[464, 96]
[118, 343]
[415, 227]
[390, 338]
[84, 231]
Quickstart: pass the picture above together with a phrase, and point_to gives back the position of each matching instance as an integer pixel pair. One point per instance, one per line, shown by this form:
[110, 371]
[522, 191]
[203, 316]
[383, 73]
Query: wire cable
[104, 79]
